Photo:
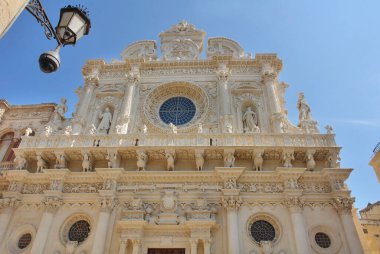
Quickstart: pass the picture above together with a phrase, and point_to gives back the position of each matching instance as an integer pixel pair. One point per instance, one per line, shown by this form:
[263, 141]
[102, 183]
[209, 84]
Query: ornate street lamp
[73, 24]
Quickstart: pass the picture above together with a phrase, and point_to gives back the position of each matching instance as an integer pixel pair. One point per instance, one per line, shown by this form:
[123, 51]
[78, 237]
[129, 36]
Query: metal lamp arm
[37, 10]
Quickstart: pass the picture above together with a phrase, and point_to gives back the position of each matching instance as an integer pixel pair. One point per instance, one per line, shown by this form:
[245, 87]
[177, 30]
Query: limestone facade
[9, 11]
[174, 151]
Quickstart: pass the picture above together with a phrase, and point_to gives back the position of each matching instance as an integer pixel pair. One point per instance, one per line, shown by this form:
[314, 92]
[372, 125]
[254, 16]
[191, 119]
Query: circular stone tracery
[79, 231]
[177, 110]
[323, 240]
[24, 241]
[262, 230]
[163, 93]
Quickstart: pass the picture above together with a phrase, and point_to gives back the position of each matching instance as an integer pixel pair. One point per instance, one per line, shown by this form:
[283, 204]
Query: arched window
[7, 143]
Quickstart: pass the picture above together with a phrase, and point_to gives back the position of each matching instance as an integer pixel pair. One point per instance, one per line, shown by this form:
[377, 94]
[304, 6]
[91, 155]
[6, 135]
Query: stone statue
[28, 132]
[287, 159]
[229, 127]
[21, 162]
[41, 164]
[329, 129]
[60, 161]
[303, 108]
[68, 130]
[170, 157]
[200, 128]
[266, 247]
[92, 130]
[105, 123]
[59, 113]
[199, 160]
[174, 128]
[48, 130]
[310, 162]
[86, 164]
[258, 161]
[142, 159]
[113, 160]
[249, 120]
[229, 160]
[145, 129]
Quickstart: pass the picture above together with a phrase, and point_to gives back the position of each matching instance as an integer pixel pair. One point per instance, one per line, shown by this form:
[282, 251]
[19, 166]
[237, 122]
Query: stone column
[193, 246]
[207, 246]
[269, 79]
[107, 203]
[223, 74]
[232, 205]
[343, 206]
[136, 246]
[80, 115]
[133, 77]
[43, 231]
[295, 206]
[123, 246]
[7, 207]
[231, 202]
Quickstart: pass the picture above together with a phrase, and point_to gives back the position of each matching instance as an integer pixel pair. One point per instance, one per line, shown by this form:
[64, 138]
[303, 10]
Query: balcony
[180, 140]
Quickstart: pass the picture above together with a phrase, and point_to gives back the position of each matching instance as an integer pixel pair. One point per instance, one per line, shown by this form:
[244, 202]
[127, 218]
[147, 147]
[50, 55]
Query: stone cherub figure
[249, 121]
[174, 128]
[105, 123]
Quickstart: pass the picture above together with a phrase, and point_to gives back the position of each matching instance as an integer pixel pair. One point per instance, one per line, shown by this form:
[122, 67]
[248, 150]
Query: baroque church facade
[174, 154]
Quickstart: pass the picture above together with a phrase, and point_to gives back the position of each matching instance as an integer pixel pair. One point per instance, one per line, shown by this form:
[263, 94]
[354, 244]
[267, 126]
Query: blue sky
[330, 50]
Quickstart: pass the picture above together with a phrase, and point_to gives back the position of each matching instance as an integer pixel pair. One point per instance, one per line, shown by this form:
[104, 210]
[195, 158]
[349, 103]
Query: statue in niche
[229, 127]
[59, 113]
[105, 123]
[250, 121]
[303, 108]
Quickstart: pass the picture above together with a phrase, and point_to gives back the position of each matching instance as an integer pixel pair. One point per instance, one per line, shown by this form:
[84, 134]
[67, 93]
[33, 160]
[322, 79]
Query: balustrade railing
[188, 140]
[6, 165]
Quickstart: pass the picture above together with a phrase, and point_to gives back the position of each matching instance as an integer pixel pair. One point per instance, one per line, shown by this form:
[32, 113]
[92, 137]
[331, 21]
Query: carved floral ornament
[162, 93]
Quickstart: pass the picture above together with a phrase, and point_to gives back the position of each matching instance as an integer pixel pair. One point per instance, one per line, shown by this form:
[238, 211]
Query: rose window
[322, 240]
[262, 230]
[24, 241]
[177, 110]
[79, 231]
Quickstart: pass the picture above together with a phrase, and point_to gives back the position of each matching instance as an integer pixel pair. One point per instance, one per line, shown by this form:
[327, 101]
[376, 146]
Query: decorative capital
[223, 74]
[295, 204]
[269, 77]
[133, 77]
[52, 203]
[343, 205]
[107, 203]
[232, 203]
[9, 203]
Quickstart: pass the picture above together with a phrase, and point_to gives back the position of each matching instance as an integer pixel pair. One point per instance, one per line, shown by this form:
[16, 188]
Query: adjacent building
[174, 153]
